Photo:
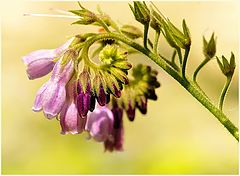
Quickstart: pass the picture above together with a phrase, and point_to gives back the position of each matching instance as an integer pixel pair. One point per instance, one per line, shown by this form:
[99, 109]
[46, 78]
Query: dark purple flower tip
[79, 88]
[142, 107]
[157, 84]
[101, 98]
[85, 82]
[116, 142]
[92, 104]
[108, 98]
[116, 92]
[109, 145]
[130, 112]
[83, 103]
[151, 94]
[117, 113]
[126, 80]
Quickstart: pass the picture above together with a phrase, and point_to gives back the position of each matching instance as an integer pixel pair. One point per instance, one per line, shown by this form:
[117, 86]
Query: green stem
[179, 55]
[170, 63]
[145, 38]
[185, 62]
[224, 91]
[188, 84]
[205, 61]
[155, 45]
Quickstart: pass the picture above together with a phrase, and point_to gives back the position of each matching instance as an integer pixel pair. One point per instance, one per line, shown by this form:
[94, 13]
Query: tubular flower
[39, 63]
[116, 142]
[100, 124]
[71, 122]
[52, 95]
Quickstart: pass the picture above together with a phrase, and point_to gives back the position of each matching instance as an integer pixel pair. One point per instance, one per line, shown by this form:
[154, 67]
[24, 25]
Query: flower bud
[153, 22]
[119, 74]
[141, 12]
[131, 31]
[173, 35]
[139, 90]
[122, 64]
[86, 16]
[113, 85]
[226, 67]
[142, 104]
[130, 110]
[209, 48]
[111, 53]
[100, 86]
[85, 101]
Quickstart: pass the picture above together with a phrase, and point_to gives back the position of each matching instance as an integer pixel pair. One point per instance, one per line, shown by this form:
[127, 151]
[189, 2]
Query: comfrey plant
[92, 97]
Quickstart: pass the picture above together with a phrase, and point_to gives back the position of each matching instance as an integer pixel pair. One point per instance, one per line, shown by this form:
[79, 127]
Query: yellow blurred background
[177, 136]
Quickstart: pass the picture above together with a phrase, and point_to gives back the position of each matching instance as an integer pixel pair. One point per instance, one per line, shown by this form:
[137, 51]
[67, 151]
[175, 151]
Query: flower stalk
[188, 84]
[224, 91]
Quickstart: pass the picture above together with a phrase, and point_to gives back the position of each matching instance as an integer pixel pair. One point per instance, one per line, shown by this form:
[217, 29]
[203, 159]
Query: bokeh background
[177, 136]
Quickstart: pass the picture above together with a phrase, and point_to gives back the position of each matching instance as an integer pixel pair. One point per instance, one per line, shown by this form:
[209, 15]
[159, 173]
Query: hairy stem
[188, 84]
[224, 91]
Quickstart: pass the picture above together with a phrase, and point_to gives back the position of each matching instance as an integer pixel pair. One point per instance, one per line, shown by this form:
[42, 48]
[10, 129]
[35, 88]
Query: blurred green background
[177, 136]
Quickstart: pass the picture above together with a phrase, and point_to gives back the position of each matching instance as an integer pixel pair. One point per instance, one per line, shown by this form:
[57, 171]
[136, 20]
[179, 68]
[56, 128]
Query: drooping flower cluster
[139, 90]
[92, 97]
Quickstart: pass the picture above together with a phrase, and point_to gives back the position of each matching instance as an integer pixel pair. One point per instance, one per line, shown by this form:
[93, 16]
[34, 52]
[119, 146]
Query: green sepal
[131, 31]
[111, 53]
[84, 79]
[119, 74]
[122, 64]
[209, 48]
[232, 62]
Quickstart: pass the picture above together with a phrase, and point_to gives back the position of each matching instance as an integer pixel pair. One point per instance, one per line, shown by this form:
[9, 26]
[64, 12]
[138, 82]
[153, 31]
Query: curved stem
[186, 83]
[179, 55]
[145, 38]
[155, 45]
[185, 62]
[224, 91]
[205, 61]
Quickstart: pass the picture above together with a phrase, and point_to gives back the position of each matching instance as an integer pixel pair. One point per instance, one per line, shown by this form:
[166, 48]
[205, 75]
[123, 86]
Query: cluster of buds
[139, 90]
[80, 98]
[174, 36]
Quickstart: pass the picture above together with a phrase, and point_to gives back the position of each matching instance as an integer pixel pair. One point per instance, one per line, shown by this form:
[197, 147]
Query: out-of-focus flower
[52, 95]
[116, 141]
[71, 122]
[100, 124]
[138, 91]
[41, 62]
